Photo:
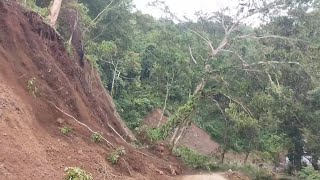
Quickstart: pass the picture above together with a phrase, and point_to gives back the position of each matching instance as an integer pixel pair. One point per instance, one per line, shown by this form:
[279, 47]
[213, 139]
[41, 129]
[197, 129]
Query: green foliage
[198, 161]
[178, 118]
[272, 146]
[31, 4]
[69, 48]
[192, 158]
[246, 126]
[65, 130]
[240, 118]
[32, 87]
[76, 173]
[154, 134]
[102, 52]
[309, 173]
[96, 137]
[113, 158]
[139, 107]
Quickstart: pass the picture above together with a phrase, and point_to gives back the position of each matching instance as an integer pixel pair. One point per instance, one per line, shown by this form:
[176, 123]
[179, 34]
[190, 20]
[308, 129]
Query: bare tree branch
[165, 101]
[54, 12]
[86, 126]
[96, 18]
[193, 59]
[248, 36]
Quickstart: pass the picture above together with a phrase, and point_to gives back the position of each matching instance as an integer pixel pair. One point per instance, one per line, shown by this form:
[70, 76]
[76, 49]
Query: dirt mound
[236, 176]
[36, 74]
[194, 137]
[152, 120]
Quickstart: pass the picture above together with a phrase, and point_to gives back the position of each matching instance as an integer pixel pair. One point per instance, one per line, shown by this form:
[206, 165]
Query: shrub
[31, 4]
[309, 173]
[69, 48]
[192, 158]
[114, 156]
[76, 173]
[154, 134]
[65, 130]
[249, 170]
[96, 137]
[32, 88]
[198, 161]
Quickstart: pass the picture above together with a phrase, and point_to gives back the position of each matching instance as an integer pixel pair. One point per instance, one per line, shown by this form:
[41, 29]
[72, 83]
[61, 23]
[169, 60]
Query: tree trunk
[184, 127]
[314, 162]
[199, 87]
[73, 29]
[246, 158]
[223, 154]
[166, 99]
[54, 13]
[113, 79]
[174, 134]
[165, 105]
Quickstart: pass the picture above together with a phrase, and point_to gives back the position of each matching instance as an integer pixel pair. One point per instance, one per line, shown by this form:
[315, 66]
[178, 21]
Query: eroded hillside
[36, 76]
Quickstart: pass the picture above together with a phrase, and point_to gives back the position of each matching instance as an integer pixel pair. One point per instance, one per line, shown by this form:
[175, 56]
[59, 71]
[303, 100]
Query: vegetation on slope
[256, 89]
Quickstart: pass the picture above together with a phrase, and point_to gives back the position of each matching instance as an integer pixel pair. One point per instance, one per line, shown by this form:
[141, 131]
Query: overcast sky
[189, 7]
[184, 7]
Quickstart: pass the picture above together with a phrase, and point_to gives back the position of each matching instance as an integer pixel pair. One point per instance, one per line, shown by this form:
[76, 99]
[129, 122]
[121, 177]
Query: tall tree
[54, 12]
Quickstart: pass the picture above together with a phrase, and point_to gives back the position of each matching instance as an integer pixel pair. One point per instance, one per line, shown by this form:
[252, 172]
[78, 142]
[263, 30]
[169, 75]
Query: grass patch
[192, 158]
[308, 173]
[199, 161]
[154, 134]
[31, 4]
[76, 173]
[32, 88]
[65, 130]
[113, 158]
[96, 137]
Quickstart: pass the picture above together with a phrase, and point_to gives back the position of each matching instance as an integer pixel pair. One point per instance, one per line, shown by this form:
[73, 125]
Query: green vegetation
[113, 158]
[154, 134]
[308, 173]
[198, 161]
[32, 87]
[31, 4]
[69, 48]
[96, 137]
[193, 159]
[65, 130]
[76, 173]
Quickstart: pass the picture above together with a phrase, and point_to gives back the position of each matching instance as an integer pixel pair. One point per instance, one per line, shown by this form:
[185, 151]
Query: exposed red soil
[31, 144]
[194, 137]
[152, 120]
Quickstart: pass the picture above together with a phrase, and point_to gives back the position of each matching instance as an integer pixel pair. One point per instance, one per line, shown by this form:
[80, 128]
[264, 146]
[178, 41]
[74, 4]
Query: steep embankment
[36, 74]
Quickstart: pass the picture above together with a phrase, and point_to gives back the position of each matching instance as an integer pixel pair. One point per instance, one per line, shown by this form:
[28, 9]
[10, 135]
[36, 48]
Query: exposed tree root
[86, 126]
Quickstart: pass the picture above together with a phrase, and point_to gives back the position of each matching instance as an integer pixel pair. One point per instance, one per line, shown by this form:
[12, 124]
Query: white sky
[189, 7]
[184, 7]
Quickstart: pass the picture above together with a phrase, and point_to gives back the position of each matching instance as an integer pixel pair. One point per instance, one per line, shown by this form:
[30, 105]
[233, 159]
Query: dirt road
[203, 177]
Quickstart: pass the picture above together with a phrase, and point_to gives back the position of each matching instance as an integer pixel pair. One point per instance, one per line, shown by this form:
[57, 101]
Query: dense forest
[249, 76]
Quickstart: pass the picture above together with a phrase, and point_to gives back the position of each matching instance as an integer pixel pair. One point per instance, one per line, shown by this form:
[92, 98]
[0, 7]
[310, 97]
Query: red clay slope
[194, 137]
[31, 144]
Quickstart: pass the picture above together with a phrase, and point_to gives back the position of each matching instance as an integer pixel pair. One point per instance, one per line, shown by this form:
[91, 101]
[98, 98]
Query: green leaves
[240, 118]
[76, 173]
[308, 173]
